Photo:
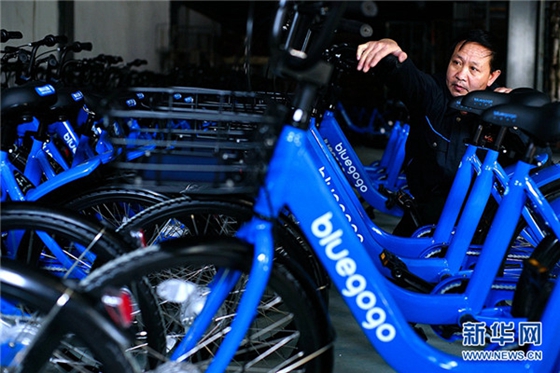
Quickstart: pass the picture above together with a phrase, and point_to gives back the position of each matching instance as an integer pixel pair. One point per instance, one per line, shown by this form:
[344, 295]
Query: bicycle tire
[113, 205]
[195, 257]
[540, 270]
[67, 339]
[187, 216]
[69, 228]
[32, 217]
[538, 278]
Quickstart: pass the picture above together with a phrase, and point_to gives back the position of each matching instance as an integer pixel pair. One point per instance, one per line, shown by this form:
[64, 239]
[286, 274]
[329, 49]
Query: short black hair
[488, 41]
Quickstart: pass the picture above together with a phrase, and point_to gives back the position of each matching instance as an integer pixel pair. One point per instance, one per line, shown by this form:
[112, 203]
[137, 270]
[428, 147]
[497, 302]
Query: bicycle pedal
[402, 275]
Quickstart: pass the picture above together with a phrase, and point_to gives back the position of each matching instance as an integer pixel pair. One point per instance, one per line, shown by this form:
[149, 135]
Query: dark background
[424, 29]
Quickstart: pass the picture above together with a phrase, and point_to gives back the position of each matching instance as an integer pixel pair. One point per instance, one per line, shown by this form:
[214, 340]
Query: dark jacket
[438, 134]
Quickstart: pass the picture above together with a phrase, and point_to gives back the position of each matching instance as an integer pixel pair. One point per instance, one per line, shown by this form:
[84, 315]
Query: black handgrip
[112, 60]
[78, 46]
[108, 59]
[8, 49]
[137, 62]
[52, 40]
[8, 35]
[355, 27]
[387, 63]
[342, 56]
[87, 46]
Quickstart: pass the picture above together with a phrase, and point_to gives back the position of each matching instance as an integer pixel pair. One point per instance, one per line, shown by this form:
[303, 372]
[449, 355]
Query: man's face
[469, 69]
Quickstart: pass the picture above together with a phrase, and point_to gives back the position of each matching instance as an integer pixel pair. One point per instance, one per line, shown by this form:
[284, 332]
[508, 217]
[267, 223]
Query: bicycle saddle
[27, 99]
[478, 101]
[542, 123]
[68, 104]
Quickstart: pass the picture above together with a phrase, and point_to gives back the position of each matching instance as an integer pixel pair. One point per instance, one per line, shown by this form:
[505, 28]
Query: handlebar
[107, 59]
[317, 20]
[137, 62]
[75, 47]
[8, 35]
[50, 41]
[47, 41]
[78, 47]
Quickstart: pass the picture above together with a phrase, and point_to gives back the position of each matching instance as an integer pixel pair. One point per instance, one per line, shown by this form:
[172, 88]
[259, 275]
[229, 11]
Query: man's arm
[412, 86]
[370, 53]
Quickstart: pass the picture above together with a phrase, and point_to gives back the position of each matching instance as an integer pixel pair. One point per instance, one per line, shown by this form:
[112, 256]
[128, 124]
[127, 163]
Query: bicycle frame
[329, 131]
[387, 169]
[57, 172]
[27, 185]
[370, 128]
[12, 189]
[44, 159]
[435, 269]
[368, 186]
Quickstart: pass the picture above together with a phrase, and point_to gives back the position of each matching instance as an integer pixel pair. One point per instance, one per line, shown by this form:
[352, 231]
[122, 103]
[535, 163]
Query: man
[438, 133]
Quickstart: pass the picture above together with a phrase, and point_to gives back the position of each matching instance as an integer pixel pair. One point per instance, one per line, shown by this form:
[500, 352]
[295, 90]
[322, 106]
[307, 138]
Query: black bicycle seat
[478, 101]
[542, 123]
[30, 98]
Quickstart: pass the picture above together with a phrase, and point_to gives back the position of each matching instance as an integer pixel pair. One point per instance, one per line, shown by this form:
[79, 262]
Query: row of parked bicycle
[185, 229]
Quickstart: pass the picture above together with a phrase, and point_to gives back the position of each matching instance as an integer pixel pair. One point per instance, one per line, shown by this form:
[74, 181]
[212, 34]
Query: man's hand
[370, 53]
[503, 90]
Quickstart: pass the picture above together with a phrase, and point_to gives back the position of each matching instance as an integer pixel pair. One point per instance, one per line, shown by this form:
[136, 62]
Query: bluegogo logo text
[356, 284]
[342, 206]
[340, 152]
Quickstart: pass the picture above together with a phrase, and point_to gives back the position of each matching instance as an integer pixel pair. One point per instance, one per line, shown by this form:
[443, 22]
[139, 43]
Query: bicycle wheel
[525, 237]
[537, 279]
[291, 328]
[113, 205]
[69, 245]
[186, 216]
[56, 239]
[39, 334]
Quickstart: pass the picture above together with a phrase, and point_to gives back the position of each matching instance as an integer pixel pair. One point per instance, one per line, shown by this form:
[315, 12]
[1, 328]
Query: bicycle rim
[290, 326]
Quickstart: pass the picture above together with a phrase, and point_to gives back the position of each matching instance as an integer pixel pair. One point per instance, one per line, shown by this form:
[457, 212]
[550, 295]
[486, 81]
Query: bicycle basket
[193, 139]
